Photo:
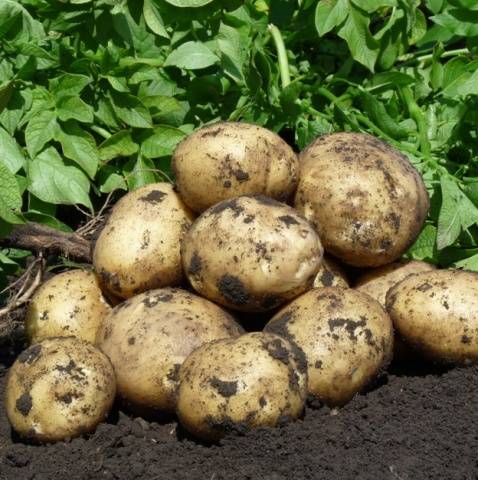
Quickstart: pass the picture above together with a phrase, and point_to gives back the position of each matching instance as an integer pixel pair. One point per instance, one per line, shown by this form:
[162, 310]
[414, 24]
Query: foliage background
[95, 95]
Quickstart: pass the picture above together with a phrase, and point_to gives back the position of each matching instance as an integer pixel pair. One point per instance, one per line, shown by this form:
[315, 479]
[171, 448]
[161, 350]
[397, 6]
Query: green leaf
[41, 129]
[118, 145]
[424, 246]
[470, 263]
[53, 182]
[189, 3]
[153, 19]
[10, 196]
[10, 153]
[79, 146]
[45, 219]
[161, 141]
[141, 174]
[374, 5]
[459, 21]
[130, 110]
[330, 14]
[191, 56]
[465, 84]
[74, 108]
[6, 90]
[233, 44]
[69, 84]
[355, 31]
[167, 110]
[113, 182]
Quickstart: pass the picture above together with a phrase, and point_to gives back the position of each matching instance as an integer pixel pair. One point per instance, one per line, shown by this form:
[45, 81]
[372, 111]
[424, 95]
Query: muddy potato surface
[378, 199]
[331, 274]
[346, 336]
[62, 387]
[68, 304]
[255, 380]
[230, 159]
[251, 253]
[138, 249]
[436, 313]
[148, 337]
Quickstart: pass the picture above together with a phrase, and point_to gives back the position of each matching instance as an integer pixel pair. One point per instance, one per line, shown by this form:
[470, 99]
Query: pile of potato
[242, 236]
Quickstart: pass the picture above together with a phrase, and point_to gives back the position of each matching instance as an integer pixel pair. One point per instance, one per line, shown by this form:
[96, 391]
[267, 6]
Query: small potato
[346, 336]
[251, 254]
[148, 337]
[331, 274]
[378, 281]
[364, 197]
[255, 380]
[228, 159]
[59, 388]
[138, 249]
[68, 304]
[436, 313]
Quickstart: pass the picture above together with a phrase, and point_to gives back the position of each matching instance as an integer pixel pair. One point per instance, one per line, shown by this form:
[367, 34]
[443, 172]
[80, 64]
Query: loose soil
[417, 423]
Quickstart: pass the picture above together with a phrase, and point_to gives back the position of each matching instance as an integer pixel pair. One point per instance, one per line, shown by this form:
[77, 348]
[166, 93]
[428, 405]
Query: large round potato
[148, 337]
[436, 313]
[251, 253]
[331, 274]
[346, 336]
[378, 281]
[229, 159]
[138, 249]
[68, 304]
[256, 380]
[59, 388]
[364, 197]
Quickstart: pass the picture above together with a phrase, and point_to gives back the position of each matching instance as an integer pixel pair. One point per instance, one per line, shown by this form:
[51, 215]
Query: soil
[416, 423]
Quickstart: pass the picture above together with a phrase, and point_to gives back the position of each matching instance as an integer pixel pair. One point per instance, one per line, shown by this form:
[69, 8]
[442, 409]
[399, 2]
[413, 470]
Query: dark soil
[413, 426]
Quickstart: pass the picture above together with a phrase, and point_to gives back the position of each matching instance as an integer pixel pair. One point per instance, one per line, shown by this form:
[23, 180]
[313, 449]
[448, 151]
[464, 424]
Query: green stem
[281, 55]
[419, 119]
[101, 131]
[410, 58]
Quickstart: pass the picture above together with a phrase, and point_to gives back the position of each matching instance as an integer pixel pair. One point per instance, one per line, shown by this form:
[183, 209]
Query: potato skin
[229, 159]
[251, 253]
[148, 337]
[68, 304]
[378, 199]
[435, 312]
[378, 281]
[346, 336]
[138, 249]
[62, 387]
[331, 274]
[258, 379]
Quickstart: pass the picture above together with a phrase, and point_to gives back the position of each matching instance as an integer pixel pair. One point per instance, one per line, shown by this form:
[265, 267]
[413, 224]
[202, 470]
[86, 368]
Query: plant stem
[410, 58]
[101, 131]
[281, 55]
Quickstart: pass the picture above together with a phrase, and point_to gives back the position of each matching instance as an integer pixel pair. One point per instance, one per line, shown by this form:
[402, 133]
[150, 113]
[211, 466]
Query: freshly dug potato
[228, 159]
[68, 304]
[59, 388]
[436, 313]
[138, 249]
[255, 380]
[346, 336]
[148, 337]
[365, 199]
[251, 253]
[331, 274]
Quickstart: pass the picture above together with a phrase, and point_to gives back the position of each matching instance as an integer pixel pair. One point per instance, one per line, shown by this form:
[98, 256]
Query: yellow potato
[331, 274]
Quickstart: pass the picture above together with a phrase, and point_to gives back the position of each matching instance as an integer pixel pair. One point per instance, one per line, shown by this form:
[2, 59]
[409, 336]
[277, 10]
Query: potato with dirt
[256, 380]
[148, 337]
[138, 249]
[60, 388]
[346, 336]
[435, 313]
[331, 274]
[68, 304]
[251, 253]
[366, 200]
[229, 159]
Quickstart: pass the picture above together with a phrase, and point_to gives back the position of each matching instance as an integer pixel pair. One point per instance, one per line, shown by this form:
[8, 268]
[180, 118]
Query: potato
[435, 312]
[378, 281]
[68, 304]
[251, 253]
[255, 380]
[59, 388]
[138, 249]
[365, 199]
[331, 274]
[229, 159]
[148, 337]
[346, 336]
